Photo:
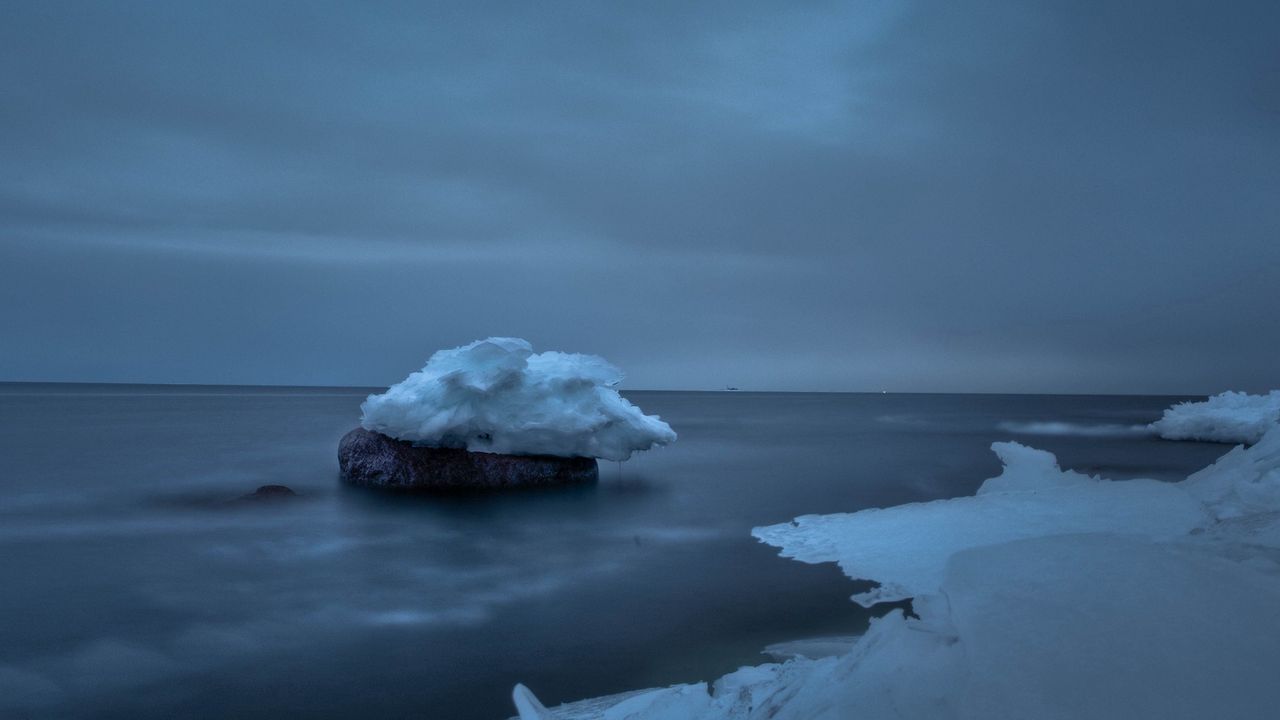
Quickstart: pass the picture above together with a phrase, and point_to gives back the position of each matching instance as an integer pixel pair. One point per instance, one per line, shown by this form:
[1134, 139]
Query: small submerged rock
[222, 500]
[270, 492]
[371, 459]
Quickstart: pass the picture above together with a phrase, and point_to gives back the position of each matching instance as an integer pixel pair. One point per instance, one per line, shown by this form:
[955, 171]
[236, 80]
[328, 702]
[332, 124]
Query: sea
[135, 583]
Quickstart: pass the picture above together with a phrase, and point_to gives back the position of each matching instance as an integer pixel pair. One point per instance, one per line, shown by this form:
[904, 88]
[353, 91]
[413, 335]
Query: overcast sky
[952, 196]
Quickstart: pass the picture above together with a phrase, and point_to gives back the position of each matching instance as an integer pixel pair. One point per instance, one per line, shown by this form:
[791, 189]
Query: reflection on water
[135, 588]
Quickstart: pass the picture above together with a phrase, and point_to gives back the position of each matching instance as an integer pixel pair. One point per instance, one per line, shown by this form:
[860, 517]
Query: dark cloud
[1050, 196]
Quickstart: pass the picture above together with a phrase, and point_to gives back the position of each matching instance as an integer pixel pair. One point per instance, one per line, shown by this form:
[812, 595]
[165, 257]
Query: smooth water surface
[132, 587]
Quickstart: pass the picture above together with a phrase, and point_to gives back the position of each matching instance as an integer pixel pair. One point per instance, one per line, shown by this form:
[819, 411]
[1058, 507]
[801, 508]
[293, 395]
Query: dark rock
[371, 459]
[270, 492]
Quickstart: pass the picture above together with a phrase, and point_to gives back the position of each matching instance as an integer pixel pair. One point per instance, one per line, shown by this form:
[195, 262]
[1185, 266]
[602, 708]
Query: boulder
[371, 459]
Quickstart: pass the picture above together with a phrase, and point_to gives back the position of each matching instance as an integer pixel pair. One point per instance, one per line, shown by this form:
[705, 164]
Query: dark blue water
[131, 588]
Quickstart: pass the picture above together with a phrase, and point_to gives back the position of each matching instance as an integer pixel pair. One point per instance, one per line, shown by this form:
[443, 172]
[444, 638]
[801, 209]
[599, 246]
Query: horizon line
[740, 391]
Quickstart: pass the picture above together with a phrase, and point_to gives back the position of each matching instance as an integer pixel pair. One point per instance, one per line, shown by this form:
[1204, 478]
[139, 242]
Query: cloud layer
[1002, 196]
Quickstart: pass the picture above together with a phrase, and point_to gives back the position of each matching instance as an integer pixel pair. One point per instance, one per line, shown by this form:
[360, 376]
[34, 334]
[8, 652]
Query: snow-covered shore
[1048, 594]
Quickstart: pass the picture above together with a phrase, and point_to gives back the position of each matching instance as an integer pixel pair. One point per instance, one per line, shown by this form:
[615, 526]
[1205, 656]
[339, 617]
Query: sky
[1014, 196]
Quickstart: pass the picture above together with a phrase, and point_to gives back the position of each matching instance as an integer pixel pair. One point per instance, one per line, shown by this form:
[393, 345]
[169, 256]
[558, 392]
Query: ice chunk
[1244, 481]
[1026, 468]
[678, 702]
[498, 396]
[1230, 417]
[812, 648]
[527, 704]
[876, 679]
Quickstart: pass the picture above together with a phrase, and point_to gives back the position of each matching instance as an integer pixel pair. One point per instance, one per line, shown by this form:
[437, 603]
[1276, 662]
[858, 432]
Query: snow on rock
[1230, 417]
[1049, 594]
[498, 396]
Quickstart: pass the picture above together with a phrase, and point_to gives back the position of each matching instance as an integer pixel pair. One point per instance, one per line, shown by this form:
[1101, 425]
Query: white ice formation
[1048, 594]
[1229, 417]
[498, 396]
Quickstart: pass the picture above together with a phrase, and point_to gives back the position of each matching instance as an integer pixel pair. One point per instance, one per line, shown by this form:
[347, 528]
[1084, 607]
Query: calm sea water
[131, 588]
